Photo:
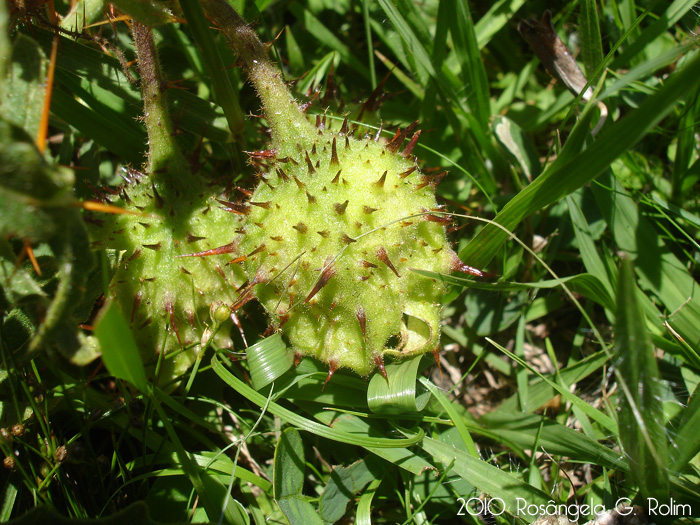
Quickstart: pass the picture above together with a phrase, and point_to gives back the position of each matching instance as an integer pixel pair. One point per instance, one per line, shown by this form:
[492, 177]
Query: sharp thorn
[334, 153]
[326, 275]
[458, 266]
[380, 182]
[362, 319]
[227, 248]
[408, 172]
[384, 257]
[412, 144]
[235, 207]
[300, 184]
[436, 354]
[379, 362]
[309, 164]
[332, 367]
[340, 208]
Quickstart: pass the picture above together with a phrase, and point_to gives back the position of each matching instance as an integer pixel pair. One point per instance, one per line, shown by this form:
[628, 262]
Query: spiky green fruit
[329, 241]
[165, 294]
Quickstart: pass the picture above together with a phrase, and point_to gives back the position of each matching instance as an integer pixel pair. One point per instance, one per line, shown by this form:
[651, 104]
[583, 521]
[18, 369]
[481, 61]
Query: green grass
[570, 377]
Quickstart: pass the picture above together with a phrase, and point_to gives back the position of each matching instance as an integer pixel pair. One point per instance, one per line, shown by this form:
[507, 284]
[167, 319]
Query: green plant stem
[164, 156]
[287, 122]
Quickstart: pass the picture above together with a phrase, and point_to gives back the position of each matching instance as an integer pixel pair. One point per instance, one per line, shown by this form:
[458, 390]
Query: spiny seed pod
[331, 233]
[164, 295]
[328, 244]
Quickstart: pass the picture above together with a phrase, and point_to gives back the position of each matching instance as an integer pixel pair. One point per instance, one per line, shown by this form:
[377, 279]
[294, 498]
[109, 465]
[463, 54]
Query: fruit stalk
[164, 156]
[287, 122]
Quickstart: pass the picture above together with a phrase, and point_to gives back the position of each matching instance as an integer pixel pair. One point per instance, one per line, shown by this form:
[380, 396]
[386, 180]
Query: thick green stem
[288, 123]
[164, 156]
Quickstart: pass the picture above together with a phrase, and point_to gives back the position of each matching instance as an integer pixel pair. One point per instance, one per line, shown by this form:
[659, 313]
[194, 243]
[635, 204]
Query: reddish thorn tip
[412, 144]
[436, 354]
[459, 266]
[380, 182]
[227, 248]
[408, 172]
[379, 362]
[362, 319]
[326, 275]
[309, 164]
[332, 367]
[235, 207]
[334, 153]
[384, 257]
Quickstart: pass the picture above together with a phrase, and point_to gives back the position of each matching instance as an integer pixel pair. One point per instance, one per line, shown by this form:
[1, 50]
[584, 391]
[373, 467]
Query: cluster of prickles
[329, 240]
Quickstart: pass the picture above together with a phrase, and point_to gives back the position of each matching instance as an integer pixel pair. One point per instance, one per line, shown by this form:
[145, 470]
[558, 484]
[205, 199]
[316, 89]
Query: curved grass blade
[397, 394]
[454, 416]
[364, 506]
[267, 360]
[301, 422]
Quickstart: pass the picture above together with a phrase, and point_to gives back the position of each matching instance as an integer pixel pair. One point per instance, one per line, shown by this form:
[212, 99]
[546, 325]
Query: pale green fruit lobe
[166, 297]
[331, 236]
[162, 291]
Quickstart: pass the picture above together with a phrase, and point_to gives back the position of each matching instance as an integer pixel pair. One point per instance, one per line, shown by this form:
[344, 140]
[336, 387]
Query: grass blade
[303, 423]
[472, 67]
[119, 351]
[591, 43]
[267, 360]
[642, 433]
[686, 442]
[560, 180]
[398, 393]
[223, 90]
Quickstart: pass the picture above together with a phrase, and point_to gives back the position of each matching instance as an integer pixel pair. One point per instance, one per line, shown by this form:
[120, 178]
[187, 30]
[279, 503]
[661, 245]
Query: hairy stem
[164, 156]
[288, 123]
